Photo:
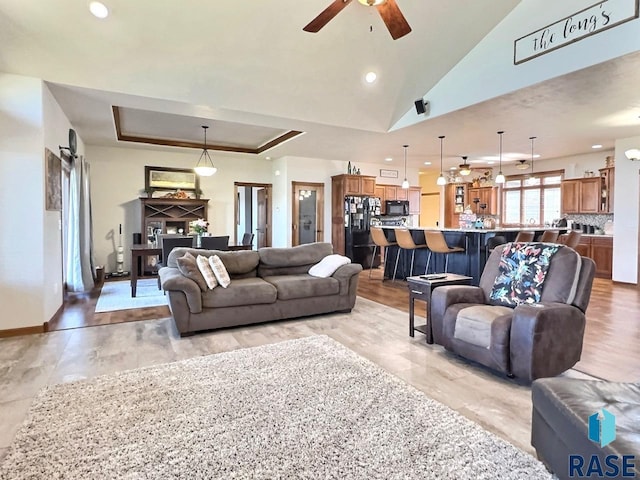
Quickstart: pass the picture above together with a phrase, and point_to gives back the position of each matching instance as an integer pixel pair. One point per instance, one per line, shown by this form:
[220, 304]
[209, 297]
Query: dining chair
[247, 239]
[215, 243]
[167, 243]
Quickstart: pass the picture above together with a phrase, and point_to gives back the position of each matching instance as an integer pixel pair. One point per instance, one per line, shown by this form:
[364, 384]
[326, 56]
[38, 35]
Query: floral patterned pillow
[521, 273]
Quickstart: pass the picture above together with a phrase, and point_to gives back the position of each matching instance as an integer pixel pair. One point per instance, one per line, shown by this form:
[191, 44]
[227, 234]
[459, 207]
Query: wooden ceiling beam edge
[185, 144]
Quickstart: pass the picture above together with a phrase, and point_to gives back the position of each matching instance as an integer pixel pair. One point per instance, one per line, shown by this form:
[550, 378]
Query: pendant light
[500, 178]
[441, 180]
[205, 166]
[464, 169]
[405, 182]
[531, 180]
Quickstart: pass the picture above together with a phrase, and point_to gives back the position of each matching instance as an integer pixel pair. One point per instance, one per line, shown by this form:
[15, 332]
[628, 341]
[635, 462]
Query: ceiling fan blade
[326, 15]
[393, 19]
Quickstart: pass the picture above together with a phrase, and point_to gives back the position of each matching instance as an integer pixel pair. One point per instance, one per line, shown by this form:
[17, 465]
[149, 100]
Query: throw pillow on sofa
[207, 272]
[220, 271]
[328, 265]
[189, 268]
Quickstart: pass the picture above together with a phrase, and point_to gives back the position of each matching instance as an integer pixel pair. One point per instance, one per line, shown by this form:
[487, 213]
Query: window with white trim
[531, 201]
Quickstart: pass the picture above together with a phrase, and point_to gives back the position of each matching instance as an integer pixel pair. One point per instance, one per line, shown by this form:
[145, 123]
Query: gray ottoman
[561, 411]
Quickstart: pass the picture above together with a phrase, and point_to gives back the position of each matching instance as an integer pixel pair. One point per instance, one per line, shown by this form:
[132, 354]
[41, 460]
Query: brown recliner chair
[530, 341]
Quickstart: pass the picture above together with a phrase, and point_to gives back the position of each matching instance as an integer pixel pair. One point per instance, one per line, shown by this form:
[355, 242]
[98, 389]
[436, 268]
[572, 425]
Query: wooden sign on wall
[594, 19]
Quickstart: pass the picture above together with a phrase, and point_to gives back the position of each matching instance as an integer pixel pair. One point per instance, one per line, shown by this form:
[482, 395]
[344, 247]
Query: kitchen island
[471, 262]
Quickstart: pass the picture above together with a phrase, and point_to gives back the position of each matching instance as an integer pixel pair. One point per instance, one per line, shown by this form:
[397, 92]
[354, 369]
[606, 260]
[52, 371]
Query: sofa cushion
[291, 261]
[242, 263]
[220, 271]
[328, 265]
[189, 268]
[303, 285]
[244, 291]
[473, 324]
[207, 272]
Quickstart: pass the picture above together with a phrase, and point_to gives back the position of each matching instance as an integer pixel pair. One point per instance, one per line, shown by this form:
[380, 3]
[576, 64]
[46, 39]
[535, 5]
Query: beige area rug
[117, 295]
[303, 409]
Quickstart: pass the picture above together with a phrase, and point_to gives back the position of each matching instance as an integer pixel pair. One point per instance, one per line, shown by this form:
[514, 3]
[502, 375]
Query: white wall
[299, 169]
[56, 134]
[490, 63]
[21, 202]
[627, 214]
[574, 166]
[117, 182]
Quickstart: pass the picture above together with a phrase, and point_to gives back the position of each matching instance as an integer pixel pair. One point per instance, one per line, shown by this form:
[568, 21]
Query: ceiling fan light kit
[464, 168]
[388, 9]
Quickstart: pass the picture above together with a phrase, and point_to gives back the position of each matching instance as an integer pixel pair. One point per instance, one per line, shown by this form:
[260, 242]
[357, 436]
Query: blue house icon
[602, 427]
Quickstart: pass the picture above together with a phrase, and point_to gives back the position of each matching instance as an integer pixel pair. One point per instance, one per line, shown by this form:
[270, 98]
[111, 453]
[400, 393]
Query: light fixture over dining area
[205, 166]
[532, 179]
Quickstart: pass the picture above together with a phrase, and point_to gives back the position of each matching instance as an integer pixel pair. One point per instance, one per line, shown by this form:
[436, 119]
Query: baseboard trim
[16, 332]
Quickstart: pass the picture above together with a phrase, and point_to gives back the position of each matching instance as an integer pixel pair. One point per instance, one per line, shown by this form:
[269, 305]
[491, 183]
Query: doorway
[429, 209]
[252, 213]
[308, 213]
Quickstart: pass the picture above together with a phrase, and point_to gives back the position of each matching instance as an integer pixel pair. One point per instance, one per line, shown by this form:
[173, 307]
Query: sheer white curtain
[80, 243]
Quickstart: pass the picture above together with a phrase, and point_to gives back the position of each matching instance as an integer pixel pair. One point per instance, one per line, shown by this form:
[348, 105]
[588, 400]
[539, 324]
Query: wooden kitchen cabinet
[379, 192]
[598, 248]
[456, 197]
[355, 184]
[607, 177]
[415, 194]
[488, 195]
[581, 195]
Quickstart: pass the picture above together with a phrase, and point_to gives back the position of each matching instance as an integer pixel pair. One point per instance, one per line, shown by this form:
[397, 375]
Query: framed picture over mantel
[165, 181]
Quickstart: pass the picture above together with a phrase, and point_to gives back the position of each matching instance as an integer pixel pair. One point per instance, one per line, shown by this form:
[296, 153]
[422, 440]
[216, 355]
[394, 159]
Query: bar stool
[405, 242]
[380, 240]
[493, 242]
[524, 237]
[549, 236]
[438, 244]
[573, 239]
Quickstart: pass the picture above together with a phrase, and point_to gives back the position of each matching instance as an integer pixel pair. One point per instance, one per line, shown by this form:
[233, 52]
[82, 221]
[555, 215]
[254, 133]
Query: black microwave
[396, 207]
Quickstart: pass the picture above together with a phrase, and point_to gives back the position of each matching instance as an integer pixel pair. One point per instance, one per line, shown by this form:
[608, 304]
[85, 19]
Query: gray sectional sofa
[268, 284]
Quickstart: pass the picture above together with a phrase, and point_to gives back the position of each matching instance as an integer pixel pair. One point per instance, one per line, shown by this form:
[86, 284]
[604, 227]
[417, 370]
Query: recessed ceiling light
[388, 159]
[99, 9]
[453, 168]
[370, 77]
[427, 163]
[491, 162]
[537, 155]
[597, 145]
[267, 158]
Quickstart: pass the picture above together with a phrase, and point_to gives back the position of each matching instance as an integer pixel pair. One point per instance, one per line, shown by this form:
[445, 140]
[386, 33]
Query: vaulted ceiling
[251, 64]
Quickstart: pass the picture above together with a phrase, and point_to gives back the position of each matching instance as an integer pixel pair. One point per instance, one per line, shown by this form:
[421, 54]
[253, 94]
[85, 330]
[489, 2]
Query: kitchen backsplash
[596, 219]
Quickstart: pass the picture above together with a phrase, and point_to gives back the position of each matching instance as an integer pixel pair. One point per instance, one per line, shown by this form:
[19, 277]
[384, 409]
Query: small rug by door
[307, 408]
[117, 295]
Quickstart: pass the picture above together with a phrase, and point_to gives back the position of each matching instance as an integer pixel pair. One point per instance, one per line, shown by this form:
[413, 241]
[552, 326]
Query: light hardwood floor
[374, 330]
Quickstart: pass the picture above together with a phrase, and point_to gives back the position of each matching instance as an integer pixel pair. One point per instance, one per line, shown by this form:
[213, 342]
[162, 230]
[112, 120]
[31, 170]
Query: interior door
[308, 213]
[261, 226]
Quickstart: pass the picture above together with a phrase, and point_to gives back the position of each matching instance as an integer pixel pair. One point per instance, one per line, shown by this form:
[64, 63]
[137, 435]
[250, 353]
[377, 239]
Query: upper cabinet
[607, 176]
[357, 184]
[581, 195]
[488, 196]
[396, 192]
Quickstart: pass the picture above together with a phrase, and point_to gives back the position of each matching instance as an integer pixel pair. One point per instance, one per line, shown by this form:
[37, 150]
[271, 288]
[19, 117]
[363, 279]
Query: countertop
[492, 230]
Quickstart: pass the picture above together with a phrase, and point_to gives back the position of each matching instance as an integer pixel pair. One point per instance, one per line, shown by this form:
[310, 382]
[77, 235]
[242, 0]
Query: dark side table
[420, 288]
